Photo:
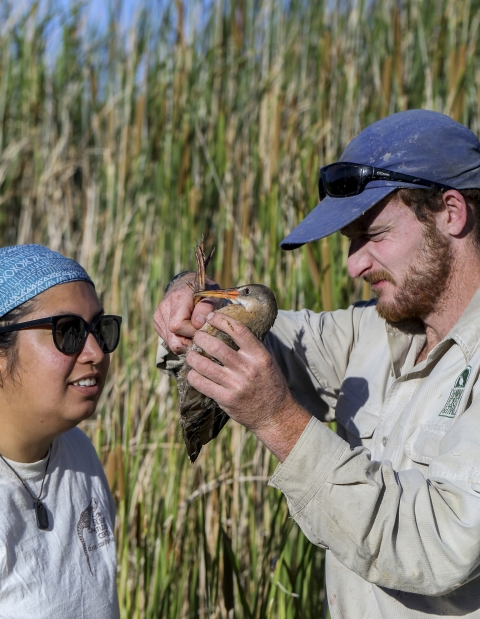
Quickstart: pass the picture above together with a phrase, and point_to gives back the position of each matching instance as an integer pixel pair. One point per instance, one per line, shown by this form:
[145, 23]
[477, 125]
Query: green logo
[450, 408]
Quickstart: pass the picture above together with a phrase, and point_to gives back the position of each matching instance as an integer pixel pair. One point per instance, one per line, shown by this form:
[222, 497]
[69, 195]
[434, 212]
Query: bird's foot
[202, 263]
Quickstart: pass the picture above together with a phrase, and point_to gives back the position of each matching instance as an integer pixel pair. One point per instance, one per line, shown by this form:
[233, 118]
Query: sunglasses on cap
[70, 332]
[342, 179]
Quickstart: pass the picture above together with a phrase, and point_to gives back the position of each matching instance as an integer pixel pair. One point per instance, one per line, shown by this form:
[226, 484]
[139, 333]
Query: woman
[57, 550]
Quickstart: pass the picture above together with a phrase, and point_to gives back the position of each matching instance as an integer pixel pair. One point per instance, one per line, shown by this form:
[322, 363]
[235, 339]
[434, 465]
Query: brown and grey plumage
[200, 417]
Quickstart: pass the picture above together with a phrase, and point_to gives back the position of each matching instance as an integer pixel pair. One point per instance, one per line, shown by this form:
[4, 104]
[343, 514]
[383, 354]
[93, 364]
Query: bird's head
[257, 299]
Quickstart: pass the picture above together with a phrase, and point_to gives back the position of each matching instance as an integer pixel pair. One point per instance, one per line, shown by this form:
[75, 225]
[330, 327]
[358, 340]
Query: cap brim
[333, 214]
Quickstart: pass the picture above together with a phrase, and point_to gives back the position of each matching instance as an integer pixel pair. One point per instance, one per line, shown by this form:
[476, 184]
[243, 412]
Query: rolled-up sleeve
[396, 529]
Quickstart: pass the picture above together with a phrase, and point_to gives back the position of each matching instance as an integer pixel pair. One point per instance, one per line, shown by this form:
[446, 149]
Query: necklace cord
[24, 484]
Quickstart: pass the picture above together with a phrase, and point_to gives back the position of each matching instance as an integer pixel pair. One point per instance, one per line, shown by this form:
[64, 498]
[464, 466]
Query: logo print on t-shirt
[93, 521]
[451, 406]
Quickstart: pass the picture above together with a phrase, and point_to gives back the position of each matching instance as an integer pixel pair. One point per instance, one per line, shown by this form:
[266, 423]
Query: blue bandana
[28, 270]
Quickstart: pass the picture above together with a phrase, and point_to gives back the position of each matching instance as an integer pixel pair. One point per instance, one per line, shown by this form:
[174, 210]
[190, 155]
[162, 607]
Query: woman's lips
[88, 391]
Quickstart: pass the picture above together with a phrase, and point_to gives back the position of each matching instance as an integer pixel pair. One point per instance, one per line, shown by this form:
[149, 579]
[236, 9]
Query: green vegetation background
[120, 148]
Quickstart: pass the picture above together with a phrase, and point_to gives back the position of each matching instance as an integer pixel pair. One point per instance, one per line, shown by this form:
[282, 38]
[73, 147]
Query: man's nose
[359, 260]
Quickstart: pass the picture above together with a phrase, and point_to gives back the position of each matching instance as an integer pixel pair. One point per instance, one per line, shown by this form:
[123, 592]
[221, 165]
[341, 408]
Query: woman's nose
[91, 351]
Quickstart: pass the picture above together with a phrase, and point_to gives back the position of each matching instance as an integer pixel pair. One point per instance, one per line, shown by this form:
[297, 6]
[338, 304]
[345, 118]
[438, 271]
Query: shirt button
[384, 440]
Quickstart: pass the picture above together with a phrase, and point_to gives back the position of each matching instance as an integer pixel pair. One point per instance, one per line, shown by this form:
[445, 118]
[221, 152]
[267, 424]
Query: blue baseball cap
[28, 270]
[420, 143]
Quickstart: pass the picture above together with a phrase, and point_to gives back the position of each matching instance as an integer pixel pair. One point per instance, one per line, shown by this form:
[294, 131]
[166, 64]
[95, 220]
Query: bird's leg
[201, 265]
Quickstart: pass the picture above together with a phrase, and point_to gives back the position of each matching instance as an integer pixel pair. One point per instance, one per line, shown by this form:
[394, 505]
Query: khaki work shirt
[395, 495]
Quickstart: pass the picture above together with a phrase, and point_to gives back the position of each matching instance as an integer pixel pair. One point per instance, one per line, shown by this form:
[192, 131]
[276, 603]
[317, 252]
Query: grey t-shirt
[68, 570]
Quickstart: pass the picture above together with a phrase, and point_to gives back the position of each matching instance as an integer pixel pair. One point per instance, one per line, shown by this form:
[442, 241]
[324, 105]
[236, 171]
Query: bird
[201, 418]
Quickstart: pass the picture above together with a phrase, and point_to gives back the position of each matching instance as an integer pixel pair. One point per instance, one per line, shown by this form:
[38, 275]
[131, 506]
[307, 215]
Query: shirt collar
[401, 337]
[465, 333]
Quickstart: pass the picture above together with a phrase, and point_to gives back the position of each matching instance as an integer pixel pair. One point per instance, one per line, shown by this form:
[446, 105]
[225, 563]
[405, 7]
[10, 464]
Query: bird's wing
[201, 418]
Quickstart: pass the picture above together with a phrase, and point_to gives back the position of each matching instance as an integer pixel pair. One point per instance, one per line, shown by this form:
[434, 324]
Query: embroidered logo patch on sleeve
[451, 406]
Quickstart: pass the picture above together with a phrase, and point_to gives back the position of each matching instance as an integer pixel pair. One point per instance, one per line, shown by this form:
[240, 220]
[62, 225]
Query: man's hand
[176, 319]
[249, 385]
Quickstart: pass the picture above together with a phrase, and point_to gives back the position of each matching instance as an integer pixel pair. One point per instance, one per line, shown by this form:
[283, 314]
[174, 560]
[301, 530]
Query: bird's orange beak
[225, 293]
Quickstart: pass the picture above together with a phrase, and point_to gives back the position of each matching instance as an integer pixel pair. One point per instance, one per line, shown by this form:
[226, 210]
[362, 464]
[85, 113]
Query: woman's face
[43, 395]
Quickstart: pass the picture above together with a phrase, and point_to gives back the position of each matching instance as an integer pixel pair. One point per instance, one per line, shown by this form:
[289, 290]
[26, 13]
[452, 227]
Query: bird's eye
[247, 290]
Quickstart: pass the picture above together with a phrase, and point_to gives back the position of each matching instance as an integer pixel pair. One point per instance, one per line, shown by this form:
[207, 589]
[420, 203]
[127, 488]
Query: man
[395, 496]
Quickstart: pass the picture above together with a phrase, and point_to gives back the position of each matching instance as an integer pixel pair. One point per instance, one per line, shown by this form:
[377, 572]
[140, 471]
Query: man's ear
[456, 219]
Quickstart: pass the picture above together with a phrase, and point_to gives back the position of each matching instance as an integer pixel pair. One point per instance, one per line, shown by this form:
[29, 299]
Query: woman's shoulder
[75, 436]
[77, 461]
[76, 447]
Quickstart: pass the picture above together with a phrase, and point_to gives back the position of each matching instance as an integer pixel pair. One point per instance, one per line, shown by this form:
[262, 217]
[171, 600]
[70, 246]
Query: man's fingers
[201, 311]
[159, 323]
[181, 307]
[247, 364]
[213, 380]
[181, 328]
[177, 319]
[206, 367]
[179, 345]
[204, 385]
[240, 334]
[217, 349]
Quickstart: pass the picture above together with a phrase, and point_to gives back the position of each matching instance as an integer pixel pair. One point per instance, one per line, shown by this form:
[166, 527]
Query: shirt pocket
[424, 444]
[354, 411]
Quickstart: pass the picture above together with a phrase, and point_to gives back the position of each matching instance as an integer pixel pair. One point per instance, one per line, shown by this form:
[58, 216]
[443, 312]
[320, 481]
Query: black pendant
[41, 514]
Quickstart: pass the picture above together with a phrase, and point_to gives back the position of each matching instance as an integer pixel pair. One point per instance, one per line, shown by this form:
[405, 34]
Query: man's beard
[421, 291]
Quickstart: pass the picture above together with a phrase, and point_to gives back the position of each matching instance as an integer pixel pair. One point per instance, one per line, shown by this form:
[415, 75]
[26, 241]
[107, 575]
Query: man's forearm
[282, 434]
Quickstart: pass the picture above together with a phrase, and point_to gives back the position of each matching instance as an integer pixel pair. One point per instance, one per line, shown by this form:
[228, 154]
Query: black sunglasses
[342, 179]
[70, 332]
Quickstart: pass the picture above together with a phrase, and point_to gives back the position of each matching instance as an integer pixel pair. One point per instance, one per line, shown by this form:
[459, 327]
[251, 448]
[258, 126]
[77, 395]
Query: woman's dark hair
[425, 202]
[8, 341]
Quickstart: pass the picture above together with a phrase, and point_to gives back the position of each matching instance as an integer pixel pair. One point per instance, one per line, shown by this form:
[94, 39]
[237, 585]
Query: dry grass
[120, 150]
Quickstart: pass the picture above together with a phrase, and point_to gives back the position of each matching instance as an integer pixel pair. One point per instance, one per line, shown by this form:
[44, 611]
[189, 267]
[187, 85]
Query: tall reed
[120, 148]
